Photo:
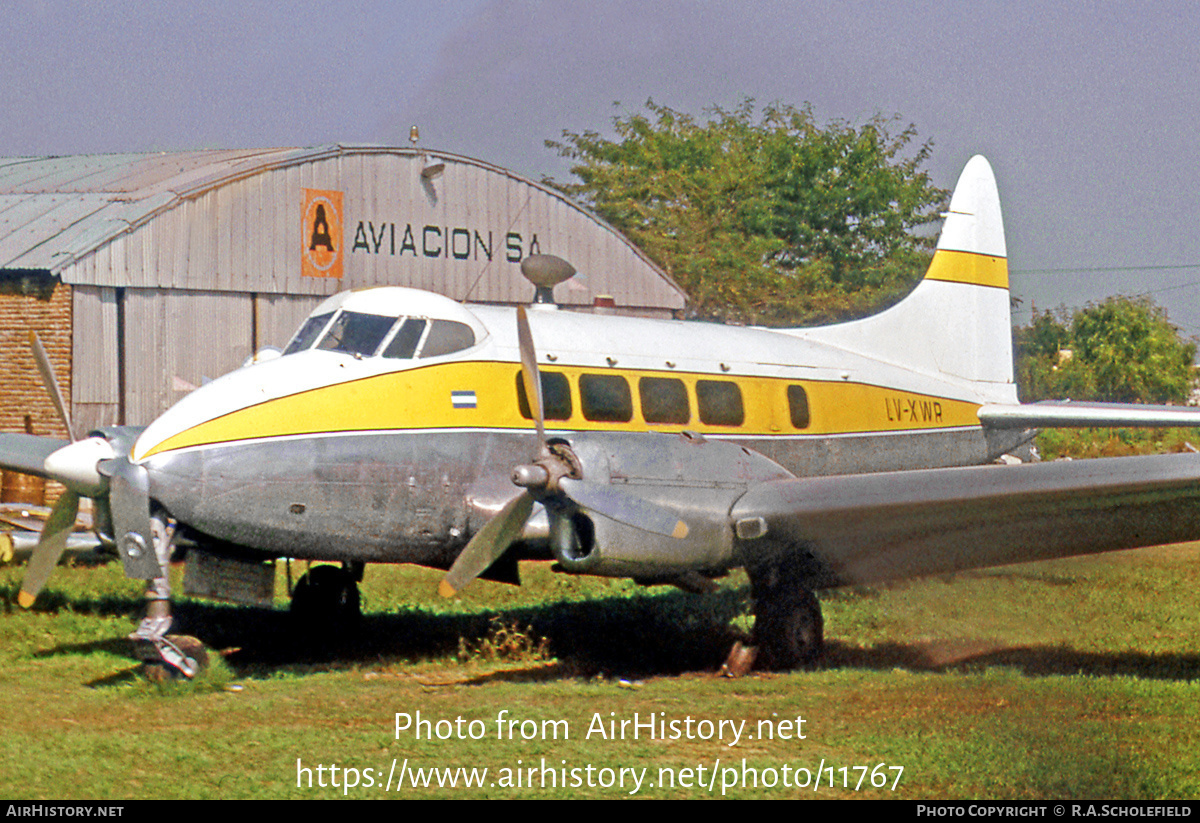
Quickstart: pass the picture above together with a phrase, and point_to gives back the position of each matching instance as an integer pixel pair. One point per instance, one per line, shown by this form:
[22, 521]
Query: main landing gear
[326, 601]
[789, 630]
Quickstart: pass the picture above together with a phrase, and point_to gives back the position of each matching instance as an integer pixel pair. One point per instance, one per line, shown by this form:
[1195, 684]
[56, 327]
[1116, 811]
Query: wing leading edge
[873, 527]
[1066, 414]
[27, 453]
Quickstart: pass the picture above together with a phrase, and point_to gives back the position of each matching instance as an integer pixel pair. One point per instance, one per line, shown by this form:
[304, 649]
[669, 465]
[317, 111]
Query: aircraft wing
[872, 527]
[1065, 414]
[27, 453]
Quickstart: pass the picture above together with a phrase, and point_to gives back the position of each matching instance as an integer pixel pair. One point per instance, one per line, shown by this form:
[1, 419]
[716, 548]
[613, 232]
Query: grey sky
[1086, 110]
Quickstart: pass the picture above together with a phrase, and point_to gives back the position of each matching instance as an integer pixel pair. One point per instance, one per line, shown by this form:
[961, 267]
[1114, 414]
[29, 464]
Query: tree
[1122, 350]
[768, 219]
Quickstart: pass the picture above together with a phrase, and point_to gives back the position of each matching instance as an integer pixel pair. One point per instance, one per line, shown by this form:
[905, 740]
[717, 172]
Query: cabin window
[308, 333]
[605, 398]
[556, 396]
[798, 404]
[664, 400]
[447, 336]
[720, 403]
[404, 344]
[356, 333]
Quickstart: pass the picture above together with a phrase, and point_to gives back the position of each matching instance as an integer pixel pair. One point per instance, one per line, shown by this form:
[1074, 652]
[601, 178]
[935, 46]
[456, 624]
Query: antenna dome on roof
[545, 271]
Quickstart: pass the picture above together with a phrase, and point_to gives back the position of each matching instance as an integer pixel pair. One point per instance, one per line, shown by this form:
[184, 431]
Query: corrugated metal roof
[56, 212]
[56, 209]
[129, 174]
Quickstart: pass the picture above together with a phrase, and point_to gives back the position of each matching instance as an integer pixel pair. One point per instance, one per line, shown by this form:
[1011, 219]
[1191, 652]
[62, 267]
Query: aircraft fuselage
[341, 455]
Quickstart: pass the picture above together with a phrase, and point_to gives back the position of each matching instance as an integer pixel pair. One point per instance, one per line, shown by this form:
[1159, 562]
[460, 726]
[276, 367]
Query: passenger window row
[607, 398]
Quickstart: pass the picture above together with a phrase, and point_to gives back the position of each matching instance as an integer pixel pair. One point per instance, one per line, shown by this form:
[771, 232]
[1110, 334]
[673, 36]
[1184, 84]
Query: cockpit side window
[404, 344]
[304, 338]
[447, 336]
[355, 333]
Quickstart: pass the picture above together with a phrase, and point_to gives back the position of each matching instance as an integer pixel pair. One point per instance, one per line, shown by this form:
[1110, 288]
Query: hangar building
[146, 274]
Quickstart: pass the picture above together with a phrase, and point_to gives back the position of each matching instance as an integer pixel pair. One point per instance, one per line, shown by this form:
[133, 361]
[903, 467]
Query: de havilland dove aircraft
[400, 426]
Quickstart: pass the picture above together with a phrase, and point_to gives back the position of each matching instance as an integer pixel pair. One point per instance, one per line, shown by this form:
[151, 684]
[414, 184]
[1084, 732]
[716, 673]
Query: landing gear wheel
[788, 627]
[172, 657]
[326, 600]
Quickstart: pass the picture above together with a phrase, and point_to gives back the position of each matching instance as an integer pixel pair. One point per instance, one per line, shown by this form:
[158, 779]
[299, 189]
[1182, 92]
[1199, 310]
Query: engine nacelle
[694, 477]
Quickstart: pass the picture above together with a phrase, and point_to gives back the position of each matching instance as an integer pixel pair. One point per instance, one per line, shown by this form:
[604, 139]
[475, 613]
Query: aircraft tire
[326, 600]
[159, 671]
[789, 629]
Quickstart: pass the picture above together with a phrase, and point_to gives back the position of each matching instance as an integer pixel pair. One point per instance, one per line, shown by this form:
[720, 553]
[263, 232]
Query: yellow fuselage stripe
[968, 267]
[420, 398]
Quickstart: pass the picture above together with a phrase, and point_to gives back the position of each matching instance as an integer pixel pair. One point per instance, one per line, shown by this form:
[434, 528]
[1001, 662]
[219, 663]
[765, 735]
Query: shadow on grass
[659, 633]
[665, 633]
[53, 601]
[1035, 661]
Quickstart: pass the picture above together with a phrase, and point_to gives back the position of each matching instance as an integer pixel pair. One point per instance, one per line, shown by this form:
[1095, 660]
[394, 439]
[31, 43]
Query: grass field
[1069, 679]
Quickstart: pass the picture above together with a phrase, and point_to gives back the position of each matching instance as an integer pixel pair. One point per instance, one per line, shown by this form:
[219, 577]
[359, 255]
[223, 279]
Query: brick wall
[33, 302]
[37, 303]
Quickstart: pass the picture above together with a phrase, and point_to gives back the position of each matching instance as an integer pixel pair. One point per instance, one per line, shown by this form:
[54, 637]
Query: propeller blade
[51, 382]
[50, 547]
[625, 507]
[488, 544]
[530, 376]
[129, 502]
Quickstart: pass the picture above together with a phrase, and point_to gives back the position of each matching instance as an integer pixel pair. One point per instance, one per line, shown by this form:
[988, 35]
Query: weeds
[505, 642]
[1089, 443]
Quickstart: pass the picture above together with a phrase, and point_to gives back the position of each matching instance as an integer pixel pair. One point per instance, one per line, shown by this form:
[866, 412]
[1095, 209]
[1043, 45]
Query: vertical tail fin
[957, 322]
[971, 248]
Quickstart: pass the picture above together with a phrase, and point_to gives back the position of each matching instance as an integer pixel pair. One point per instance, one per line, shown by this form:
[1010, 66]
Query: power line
[1030, 309]
[1169, 288]
[1104, 268]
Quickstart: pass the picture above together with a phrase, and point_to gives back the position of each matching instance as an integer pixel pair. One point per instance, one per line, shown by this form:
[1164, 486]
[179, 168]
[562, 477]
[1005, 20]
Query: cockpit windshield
[308, 333]
[366, 335]
[356, 333]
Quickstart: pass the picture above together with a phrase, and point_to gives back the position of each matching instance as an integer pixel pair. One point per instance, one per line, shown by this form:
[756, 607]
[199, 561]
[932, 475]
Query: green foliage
[1122, 350]
[1088, 443]
[766, 218]
[1071, 678]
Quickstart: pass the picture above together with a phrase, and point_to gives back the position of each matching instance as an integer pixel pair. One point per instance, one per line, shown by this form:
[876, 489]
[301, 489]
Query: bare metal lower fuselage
[417, 497]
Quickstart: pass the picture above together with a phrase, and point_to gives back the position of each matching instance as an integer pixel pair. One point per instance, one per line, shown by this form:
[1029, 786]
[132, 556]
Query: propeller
[554, 479]
[51, 382]
[89, 468]
[50, 546]
[488, 544]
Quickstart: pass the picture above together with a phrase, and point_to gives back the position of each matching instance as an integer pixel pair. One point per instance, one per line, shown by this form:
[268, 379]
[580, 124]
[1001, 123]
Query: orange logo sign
[321, 231]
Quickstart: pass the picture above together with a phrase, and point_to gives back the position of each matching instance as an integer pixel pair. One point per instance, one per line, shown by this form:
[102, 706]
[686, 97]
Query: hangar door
[138, 351]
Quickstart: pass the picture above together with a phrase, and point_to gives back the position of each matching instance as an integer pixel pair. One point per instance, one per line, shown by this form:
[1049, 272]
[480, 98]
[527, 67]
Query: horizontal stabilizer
[893, 525]
[1064, 414]
[27, 453]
